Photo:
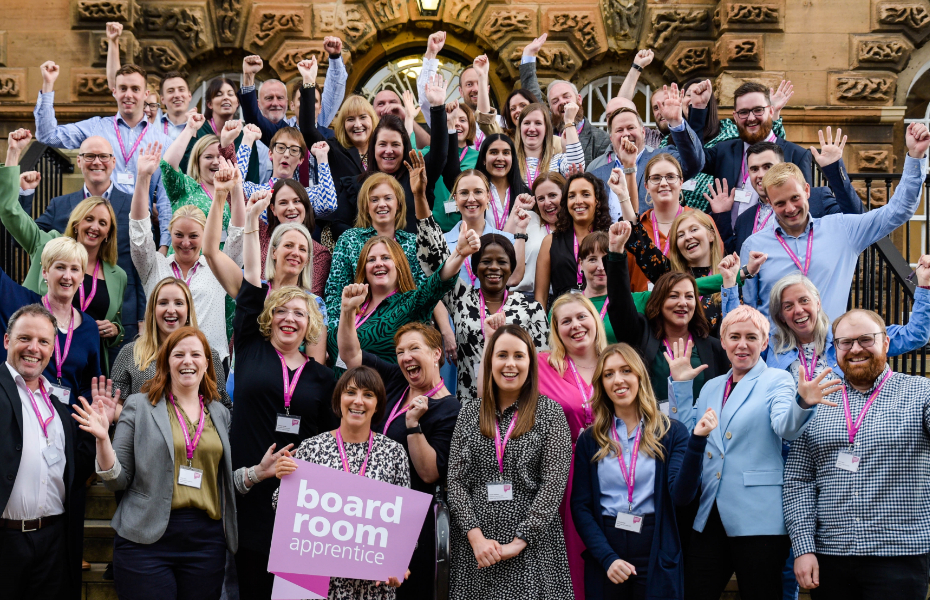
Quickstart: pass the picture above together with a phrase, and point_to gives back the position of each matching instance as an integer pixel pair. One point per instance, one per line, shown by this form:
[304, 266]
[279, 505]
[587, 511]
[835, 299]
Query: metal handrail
[443, 520]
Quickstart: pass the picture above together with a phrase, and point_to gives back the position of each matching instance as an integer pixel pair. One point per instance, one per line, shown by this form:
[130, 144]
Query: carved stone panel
[128, 48]
[623, 20]
[583, 28]
[871, 157]
[12, 85]
[500, 25]
[739, 51]
[872, 51]
[913, 18]
[388, 14]
[556, 60]
[227, 18]
[285, 60]
[461, 15]
[348, 21]
[879, 193]
[689, 59]
[861, 87]
[272, 23]
[728, 81]
[100, 11]
[89, 85]
[738, 15]
[186, 24]
[161, 56]
[667, 25]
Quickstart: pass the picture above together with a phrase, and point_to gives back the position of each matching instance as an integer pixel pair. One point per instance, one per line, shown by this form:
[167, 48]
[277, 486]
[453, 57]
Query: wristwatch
[744, 271]
[521, 236]
[309, 86]
[637, 67]
[629, 170]
[414, 430]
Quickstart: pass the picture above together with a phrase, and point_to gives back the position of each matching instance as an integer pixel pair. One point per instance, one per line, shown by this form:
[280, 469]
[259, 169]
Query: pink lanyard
[481, 305]
[471, 276]
[579, 127]
[479, 139]
[628, 476]
[669, 346]
[213, 125]
[342, 452]
[655, 230]
[808, 372]
[61, 357]
[165, 123]
[853, 428]
[122, 148]
[793, 256]
[189, 444]
[93, 289]
[501, 445]
[726, 391]
[361, 317]
[756, 226]
[548, 227]
[395, 413]
[190, 274]
[586, 394]
[43, 423]
[604, 308]
[289, 384]
[501, 218]
[463, 153]
[206, 191]
[530, 180]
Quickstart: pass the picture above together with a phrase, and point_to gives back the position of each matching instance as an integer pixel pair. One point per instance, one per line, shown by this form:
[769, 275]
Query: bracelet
[248, 232]
[309, 86]
[252, 476]
[637, 67]
[521, 236]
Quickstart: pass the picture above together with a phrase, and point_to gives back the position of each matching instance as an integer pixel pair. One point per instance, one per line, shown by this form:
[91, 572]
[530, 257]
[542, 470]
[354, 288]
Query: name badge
[341, 363]
[663, 406]
[689, 185]
[629, 522]
[51, 455]
[743, 196]
[63, 394]
[451, 207]
[500, 490]
[125, 179]
[288, 424]
[190, 477]
[848, 461]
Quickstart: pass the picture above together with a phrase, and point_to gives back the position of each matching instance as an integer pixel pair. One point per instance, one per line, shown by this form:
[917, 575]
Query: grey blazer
[143, 430]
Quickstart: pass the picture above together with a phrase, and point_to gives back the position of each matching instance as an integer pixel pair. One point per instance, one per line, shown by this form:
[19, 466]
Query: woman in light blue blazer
[740, 526]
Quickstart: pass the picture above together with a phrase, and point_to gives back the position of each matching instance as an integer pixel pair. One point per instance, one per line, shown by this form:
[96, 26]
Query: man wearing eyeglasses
[753, 115]
[96, 162]
[856, 494]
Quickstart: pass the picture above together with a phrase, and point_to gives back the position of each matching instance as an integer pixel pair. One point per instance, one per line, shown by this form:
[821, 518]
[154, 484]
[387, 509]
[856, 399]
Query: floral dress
[537, 465]
[388, 463]
[463, 303]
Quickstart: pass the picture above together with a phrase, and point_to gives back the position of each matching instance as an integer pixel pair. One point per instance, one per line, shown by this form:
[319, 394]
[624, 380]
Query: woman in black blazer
[630, 531]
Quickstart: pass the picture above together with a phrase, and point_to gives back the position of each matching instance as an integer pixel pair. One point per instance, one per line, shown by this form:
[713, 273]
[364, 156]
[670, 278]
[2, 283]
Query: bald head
[96, 144]
[618, 102]
[96, 162]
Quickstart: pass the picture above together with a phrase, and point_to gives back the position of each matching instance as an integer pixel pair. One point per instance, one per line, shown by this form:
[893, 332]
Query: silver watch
[629, 170]
[252, 476]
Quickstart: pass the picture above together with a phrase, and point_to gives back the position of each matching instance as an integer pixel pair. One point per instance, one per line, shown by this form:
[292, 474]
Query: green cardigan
[28, 235]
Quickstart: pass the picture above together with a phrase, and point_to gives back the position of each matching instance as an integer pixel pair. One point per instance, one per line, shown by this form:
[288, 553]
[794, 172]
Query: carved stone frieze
[860, 87]
[500, 25]
[102, 10]
[622, 21]
[689, 59]
[554, 60]
[285, 60]
[128, 48]
[388, 12]
[185, 23]
[461, 14]
[227, 18]
[874, 160]
[89, 84]
[161, 56]
[349, 22]
[750, 15]
[739, 51]
[668, 24]
[876, 51]
[271, 23]
[913, 18]
[579, 26]
[728, 81]
[12, 85]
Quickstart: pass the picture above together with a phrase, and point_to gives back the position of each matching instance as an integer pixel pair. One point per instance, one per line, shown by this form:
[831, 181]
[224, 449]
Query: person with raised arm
[486, 117]
[740, 526]
[830, 260]
[542, 206]
[496, 161]
[186, 263]
[536, 151]
[126, 132]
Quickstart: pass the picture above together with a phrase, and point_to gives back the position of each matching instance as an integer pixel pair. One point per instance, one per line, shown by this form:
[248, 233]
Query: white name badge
[341, 363]
[63, 394]
[663, 406]
[51, 455]
[848, 461]
[629, 522]
[451, 207]
[743, 196]
[689, 185]
[190, 477]
[500, 490]
[125, 179]
[288, 424]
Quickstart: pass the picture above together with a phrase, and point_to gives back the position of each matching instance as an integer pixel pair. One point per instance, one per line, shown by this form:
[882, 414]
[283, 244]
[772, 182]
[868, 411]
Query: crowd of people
[620, 357]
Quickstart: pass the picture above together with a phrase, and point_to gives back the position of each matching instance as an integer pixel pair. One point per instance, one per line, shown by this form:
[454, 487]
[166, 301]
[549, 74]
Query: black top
[100, 304]
[438, 422]
[563, 266]
[258, 399]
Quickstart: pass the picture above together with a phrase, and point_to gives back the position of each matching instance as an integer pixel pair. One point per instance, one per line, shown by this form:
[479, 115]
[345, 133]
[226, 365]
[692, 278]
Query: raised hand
[728, 269]
[225, 179]
[815, 391]
[257, 204]
[679, 364]
[29, 180]
[533, 48]
[830, 150]
[417, 169]
[756, 260]
[92, 419]
[332, 45]
[780, 97]
[320, 152]
[917, 139]
[482, 65]
[435, 43]
[643, 58]
[101, 391]
[114, 30]
[574, 168]
[308, 69]
[18, 139]
[411, 107]
[571, 110]
[230, 132]
[707, 423]
[50, 72]
[923, 270]
[418, 408]
[265, 468]
[284, 465]
[436, 90]
[618, 234]
[469, 241]
[620, 571]
[524, 201]
[451, 107]
[195, 121]
[701, 93]
[617, 184]
[493, 323]
[149, 158]
[250, 133]
[523, 220]
[252, 64]
[721, 198]
[671, 105]
[354, 295]
[628, 153]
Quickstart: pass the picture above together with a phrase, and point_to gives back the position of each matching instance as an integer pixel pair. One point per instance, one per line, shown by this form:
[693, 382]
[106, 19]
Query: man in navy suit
[95, 160]
[753, 115]
[839, 197]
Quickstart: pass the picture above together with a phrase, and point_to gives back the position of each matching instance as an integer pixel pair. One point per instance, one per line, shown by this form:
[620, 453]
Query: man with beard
[856, 498]
[753, 115]
[826, 249]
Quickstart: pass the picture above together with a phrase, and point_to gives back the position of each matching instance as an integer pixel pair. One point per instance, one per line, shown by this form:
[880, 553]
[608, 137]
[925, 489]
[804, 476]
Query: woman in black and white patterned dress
[507, 536]
[359, 399]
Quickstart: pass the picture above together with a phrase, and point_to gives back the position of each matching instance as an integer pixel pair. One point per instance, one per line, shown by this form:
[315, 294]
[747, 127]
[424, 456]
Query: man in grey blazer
[95, 160]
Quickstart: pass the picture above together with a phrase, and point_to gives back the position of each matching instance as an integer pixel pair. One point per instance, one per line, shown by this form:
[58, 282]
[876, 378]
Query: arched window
[596, 94]
[197, 94]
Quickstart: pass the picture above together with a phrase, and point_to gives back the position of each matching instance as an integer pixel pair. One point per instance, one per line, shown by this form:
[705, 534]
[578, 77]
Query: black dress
[438, 424]
[258, 399]
[563, 266]
[100, 304]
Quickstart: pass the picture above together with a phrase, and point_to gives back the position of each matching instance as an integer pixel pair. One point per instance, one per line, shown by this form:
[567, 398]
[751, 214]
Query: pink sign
[333, 524]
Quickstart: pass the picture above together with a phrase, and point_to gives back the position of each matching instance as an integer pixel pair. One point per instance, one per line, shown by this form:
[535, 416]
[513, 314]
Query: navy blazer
[56, 217]
[840, 197]
[676, 484]
[79, 463]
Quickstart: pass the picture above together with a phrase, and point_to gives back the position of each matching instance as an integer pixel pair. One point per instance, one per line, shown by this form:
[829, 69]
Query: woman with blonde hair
[100, 291]
[633, 466]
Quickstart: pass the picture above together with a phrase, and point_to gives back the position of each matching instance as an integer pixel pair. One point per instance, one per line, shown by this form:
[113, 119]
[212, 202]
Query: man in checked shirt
[857, 482]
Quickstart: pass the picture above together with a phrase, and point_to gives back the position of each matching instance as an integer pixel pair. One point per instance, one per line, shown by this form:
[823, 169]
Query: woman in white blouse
[187, 230]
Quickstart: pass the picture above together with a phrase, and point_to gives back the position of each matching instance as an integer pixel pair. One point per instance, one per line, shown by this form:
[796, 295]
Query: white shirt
[39, 489]
[536, 232]
[105, 195]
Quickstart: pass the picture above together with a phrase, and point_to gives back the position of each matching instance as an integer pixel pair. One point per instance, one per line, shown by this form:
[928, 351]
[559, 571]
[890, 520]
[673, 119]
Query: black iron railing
[53, 165]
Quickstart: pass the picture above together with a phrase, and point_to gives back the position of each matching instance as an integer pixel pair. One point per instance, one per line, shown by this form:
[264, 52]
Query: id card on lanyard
[50, 452]
[628, 521]
[501, 490]
[288, 423]
[849, 459]
[126, 177]
[187, 474]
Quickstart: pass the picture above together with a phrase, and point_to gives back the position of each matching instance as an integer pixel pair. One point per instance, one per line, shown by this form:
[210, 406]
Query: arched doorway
[400, 74]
